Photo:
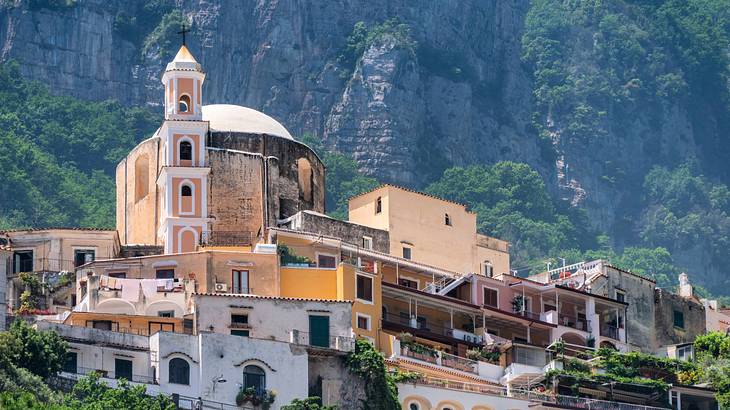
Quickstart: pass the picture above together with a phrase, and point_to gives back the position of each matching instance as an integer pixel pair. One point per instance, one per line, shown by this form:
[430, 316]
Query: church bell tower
[183, 177]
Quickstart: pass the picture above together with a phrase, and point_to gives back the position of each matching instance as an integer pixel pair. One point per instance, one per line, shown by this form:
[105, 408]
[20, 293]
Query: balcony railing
[530, 315]
[226, 238]
[442, 359]
[573, 321]
[584, 403]
[424, 357]
[110, 374]
[45, 265]
[610, 331]
[430, 327]
[342, 343]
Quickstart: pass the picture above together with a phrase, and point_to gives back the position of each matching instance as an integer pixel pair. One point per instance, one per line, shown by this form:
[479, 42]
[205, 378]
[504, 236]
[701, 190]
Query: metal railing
[534, 396]
[530, 315]
[584, 403]
[342, 343]
[45, 265]
[423, 325]
[573, 321]
[110, 374]
[610, 331]
[225, 238]
[185, 402]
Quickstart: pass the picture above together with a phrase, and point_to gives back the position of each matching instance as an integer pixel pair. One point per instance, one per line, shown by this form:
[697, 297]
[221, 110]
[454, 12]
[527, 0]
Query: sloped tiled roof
[237, 295]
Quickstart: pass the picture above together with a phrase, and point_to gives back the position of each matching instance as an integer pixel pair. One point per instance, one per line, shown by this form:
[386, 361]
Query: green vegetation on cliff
[58, 154]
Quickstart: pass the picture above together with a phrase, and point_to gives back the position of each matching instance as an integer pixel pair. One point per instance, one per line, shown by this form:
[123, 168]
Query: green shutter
[319, 331]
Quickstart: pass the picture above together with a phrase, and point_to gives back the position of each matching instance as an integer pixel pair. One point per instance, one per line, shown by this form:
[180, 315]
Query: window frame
[170, 372]
[180, 143]
[239, 290]
[484, 298]
[674, 319]
[447, 219]
[622, 294]
[378, 205]
[488, 272]
[367, 240]
[117, 361]
[368, 319]
[261, 377]
[326, 254]
[157, 273]
[165, 313]
[17, 266]
[410, 252]
[188, 104]
[372, 288]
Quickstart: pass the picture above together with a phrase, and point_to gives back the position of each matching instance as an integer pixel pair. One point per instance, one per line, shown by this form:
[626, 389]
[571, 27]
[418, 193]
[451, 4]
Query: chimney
[685, 288]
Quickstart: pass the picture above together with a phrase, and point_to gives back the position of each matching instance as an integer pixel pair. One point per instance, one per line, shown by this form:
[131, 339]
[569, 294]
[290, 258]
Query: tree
[92, 394]
[43, 353]
[310, 403]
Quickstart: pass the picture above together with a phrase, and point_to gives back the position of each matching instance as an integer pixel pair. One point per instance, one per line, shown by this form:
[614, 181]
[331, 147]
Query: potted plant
[518, 303]
[264, 398]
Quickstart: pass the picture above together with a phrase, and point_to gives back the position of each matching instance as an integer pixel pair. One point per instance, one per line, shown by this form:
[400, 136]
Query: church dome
[235, 118]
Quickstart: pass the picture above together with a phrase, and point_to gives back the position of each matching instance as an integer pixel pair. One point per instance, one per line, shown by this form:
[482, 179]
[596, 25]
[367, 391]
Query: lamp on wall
[216, 380]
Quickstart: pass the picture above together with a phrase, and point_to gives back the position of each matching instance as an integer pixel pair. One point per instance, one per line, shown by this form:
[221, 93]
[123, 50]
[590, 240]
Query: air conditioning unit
[221, 287]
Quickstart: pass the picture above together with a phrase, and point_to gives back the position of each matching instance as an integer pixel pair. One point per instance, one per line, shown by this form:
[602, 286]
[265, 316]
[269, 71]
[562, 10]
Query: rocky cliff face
[453, 90]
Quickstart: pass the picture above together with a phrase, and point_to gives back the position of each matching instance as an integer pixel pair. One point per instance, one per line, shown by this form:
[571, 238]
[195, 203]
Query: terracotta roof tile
[57, 228]
[412, 191]
[236, 295]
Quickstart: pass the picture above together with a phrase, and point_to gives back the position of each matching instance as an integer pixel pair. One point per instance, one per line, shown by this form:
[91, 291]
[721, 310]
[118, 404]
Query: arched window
[304, 169]
[379, 205]
[184, 104]
[186, 151]
[254, 376]
[447, 219]
[186, 190]
[413, 406]
[179, 371]
[141, 177]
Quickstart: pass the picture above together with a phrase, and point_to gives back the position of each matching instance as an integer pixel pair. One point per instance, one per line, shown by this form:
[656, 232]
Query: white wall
[270, 318]
[436, 398]
[212, 355]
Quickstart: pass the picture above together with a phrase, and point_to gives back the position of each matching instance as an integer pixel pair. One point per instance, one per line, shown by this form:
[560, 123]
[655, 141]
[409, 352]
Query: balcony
[427, 330]
[45, 265]
[341, 343]
[570, 402]
[108, 374]
[226, 238]
[611, 332]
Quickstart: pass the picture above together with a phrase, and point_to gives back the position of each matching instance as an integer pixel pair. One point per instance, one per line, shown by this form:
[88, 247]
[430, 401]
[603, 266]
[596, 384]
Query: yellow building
[430, 230]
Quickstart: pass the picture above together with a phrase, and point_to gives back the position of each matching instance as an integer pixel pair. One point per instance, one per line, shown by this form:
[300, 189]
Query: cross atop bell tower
[183, 80]
[183, 32]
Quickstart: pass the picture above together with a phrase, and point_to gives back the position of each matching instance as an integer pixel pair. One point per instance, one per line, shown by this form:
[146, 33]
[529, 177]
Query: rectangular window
[620, 296]
[678, 319]
[363, 322]
[319, 331]
[408, 283]
[120, 275]
[123, 369]
[406, 253]
[71, 364]
[165, 274]
[102, 324]
[326, 261]
[491, 297]
[238, 320]
[22, 261]
[239, 332]
[83, 256]
[367, 242]
[240, 281]
[487, 269]
[166, 313]
[365, 288]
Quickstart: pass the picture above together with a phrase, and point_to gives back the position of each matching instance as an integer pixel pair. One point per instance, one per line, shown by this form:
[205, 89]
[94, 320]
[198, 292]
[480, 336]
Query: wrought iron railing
[110, 374]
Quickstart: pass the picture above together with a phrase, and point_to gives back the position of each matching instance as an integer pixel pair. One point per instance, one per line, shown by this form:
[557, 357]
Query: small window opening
[447, 219]
[379, 205]
[184, 105]
[186, 191]
[186, 151]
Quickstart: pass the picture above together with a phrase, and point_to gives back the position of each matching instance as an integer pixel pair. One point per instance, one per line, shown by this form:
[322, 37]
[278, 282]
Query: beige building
[430, 230]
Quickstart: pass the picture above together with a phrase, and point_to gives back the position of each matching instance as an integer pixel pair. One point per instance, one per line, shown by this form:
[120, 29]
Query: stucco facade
[430, 230]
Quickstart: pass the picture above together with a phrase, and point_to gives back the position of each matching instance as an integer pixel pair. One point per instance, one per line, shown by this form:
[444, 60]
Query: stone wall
[288, 187]
[330, 379]
[349, 232]
[693, 312]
